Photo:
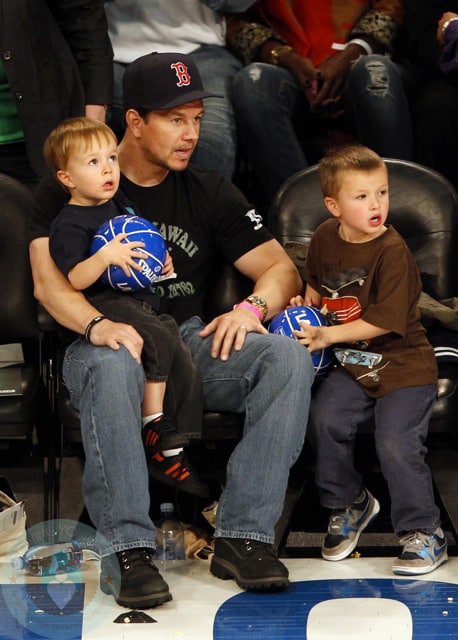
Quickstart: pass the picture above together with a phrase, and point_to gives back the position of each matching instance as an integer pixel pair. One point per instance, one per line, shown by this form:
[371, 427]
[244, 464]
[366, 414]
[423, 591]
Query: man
[205, 221]
[194, 27]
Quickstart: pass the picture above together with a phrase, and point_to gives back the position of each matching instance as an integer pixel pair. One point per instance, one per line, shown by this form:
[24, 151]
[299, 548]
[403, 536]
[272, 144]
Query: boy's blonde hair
[351, 157]
[70, 135]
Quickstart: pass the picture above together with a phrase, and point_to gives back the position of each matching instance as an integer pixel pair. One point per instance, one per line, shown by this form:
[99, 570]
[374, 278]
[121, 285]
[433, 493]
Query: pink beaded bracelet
[246, 305]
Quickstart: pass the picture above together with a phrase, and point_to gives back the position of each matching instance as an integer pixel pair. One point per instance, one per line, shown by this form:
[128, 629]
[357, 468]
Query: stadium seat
[24, 407]
[424, 209]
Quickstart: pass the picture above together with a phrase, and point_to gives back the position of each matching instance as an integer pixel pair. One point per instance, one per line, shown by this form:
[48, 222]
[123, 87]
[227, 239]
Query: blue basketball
[137, 230]
[287, 321]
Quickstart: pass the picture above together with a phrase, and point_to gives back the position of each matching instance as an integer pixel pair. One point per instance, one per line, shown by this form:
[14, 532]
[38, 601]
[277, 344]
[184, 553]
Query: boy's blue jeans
[339, 407]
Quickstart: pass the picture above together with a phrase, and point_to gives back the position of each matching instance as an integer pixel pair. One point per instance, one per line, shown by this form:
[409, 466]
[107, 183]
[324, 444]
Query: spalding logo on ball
[287, 321]
[137, 230]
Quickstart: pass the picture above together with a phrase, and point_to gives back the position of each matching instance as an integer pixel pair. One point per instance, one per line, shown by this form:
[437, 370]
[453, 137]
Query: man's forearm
[277, 286]
[66, 305]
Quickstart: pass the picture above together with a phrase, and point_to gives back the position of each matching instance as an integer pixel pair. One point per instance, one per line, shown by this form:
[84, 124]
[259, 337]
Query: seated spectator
[432, 32]
[192, 27]
[360, 270]
[206, 223]
[306, 75]
[56, 63]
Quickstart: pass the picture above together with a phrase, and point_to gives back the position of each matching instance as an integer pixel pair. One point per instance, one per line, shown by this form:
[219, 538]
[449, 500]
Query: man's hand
[303, 70]
[113, 334]
[96, 112]
[168, 268]
[334, 73]
[230, 331]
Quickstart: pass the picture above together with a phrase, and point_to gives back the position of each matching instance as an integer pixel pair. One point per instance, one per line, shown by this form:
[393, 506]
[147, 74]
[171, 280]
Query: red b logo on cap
[184, 79]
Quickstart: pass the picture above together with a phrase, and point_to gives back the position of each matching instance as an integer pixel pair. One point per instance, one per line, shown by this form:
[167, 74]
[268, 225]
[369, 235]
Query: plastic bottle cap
[166, 507]
[17, 563]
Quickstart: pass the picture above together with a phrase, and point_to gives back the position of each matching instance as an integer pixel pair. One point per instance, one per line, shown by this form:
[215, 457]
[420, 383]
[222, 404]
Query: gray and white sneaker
[422, 552]
[346, 526]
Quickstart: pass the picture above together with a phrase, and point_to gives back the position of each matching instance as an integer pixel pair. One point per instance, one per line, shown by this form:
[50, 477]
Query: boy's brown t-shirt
[377, 281]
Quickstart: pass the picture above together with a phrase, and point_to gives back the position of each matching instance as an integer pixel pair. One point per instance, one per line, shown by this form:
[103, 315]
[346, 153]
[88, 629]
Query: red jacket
[312, 26]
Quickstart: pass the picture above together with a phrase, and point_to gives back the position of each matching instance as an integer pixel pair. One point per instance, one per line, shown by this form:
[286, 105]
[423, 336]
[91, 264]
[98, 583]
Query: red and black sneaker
[160, 434]
[176, 472]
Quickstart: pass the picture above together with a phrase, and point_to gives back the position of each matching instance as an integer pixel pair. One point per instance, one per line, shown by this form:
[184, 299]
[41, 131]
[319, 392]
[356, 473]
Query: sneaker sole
[145, 602]
[344, 554]
[226, 571]
[418, 571]
[161, 477]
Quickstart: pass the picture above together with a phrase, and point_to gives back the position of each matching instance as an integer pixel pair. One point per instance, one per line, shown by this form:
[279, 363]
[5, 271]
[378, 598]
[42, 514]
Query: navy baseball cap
[162, 81]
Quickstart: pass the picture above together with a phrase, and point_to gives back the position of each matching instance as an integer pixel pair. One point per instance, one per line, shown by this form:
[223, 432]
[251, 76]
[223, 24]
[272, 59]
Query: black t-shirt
[72, 231]
[71, 235]
[203, 217]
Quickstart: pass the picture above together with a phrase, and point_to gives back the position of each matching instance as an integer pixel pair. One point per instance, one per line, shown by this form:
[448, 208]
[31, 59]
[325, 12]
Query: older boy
[361, 272]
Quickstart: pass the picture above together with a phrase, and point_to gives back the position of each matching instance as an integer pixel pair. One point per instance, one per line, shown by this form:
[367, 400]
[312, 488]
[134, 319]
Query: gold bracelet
[260, 304]
[277, 51]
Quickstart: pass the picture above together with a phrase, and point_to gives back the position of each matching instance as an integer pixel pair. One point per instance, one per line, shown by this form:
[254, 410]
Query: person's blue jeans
[106, 386]
[375, 100]
[338, 409]
[269, 379]
[217, 146]
[271, 112]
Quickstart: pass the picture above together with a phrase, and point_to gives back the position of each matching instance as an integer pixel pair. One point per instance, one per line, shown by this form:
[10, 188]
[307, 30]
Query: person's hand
[122, 254]
[297, 301]
[303, 70]
[334, 73]
[313, 338]
[113, 334]
[96, 112]
[300, 301]
[167, 269]
[446, 16]
[230, 330]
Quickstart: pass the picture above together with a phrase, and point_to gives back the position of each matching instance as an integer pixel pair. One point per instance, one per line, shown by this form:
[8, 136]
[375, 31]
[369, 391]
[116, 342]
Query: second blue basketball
[287, 321]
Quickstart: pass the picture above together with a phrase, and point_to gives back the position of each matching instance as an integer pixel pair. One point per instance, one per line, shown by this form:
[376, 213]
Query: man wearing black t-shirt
[206, 221]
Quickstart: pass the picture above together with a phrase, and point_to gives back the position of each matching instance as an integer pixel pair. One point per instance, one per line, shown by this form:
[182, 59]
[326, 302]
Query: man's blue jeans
[270, 110]
[217, 146]
[269, 379]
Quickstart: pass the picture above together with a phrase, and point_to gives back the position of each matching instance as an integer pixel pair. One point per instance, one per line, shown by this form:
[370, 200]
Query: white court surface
[355, 599]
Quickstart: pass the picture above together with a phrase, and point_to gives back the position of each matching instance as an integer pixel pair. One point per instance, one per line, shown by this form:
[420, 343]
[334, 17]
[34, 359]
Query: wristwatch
[260, 303]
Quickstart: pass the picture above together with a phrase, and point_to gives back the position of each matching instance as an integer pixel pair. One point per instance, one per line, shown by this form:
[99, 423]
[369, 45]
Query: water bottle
[169, 538]
[50, 559]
